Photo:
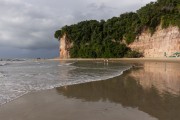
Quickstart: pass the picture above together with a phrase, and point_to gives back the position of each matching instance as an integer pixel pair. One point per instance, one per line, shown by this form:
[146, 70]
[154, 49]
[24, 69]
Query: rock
[64, 47]
[164, 42]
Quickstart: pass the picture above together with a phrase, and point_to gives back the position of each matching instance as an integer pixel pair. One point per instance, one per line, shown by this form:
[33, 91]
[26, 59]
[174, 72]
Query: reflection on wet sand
[163, 76]
[153, 88]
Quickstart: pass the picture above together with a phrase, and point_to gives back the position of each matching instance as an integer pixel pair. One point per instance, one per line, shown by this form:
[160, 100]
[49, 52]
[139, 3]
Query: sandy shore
[120, 59]
[49, 105]
[151, 92]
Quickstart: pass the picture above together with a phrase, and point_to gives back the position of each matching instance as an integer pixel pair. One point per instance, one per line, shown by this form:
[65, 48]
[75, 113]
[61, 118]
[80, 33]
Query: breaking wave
[3, 63]
[22, 78]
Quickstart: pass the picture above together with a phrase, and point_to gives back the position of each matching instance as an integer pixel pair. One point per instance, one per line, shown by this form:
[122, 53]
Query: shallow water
[148, 91]
[151, 90]
[21, 77]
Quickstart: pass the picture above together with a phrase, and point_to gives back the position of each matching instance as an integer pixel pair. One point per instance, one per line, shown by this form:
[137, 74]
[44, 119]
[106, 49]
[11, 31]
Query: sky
[27, 26]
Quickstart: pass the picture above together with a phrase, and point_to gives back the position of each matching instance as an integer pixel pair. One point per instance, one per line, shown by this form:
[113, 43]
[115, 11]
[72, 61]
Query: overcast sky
[27, 26]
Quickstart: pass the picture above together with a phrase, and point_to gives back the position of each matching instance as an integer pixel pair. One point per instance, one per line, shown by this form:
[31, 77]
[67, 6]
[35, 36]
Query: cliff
[64, 47]
[107, 38]
[162, 42]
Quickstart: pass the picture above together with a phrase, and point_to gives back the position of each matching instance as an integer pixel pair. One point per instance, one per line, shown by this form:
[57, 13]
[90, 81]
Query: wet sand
[149, 91]
[164, 59]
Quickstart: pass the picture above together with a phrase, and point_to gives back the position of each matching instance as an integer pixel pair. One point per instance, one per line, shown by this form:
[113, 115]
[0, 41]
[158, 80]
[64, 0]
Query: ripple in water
[2, 75]
[19, 78]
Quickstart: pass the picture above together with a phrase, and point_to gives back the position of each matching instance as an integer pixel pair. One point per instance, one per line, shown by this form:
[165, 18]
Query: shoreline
[33, 105]
[119, 59]
[75, 83]
[103, 100]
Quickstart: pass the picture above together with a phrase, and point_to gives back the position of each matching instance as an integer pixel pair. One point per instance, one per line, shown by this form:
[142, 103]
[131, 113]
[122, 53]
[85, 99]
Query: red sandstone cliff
[162, 42]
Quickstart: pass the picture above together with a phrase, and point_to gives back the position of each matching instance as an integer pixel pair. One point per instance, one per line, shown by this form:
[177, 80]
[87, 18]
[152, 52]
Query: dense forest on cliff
[109, 38]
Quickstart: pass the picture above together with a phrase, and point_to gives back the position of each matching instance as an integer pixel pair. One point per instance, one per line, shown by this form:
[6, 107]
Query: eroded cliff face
[64, 47]
[162, 42]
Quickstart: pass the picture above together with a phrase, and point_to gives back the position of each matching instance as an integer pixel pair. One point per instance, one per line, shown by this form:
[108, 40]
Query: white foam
[3, 63]
[66, 64]
[100, 78]
[32, 77]
[70, 63]
[2, 75]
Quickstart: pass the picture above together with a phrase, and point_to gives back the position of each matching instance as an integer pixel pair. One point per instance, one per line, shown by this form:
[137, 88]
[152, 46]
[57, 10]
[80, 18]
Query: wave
[67, 64]
[17, 89]
[2, 75]
[3, 63]
[7, 99]
[91, 80]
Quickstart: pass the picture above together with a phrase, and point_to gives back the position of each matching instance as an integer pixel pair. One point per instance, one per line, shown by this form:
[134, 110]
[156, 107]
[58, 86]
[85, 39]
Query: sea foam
[24, 77]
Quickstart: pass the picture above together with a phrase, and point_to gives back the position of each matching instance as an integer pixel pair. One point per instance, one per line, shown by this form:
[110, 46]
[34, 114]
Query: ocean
[18, 78]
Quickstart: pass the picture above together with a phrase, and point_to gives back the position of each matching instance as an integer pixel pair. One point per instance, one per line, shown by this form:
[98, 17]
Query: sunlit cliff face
[164, 42]
[165, 77]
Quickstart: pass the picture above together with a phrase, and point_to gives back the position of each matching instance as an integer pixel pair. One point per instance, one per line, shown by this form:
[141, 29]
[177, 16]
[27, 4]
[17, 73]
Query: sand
[168, 59]
[150, 91]
[48, 105]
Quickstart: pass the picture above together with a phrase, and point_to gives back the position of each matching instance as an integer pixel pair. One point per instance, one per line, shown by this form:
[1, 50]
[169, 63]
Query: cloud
[29, 25]
[26, 26]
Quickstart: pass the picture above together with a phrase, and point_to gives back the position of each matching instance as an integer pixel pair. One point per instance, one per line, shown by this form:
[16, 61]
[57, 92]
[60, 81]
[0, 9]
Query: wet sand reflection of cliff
[153, 89]
[163, 76]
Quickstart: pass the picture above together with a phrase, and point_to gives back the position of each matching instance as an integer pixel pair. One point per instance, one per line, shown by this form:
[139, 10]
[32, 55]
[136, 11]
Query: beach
[150, 90]
[162, 59]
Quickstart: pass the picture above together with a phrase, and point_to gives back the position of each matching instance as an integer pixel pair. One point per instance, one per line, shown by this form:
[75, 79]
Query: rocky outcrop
[164, 42]
[64, 47]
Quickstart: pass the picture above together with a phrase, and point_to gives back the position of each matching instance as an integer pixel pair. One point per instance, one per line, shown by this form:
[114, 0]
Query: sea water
[21, 77]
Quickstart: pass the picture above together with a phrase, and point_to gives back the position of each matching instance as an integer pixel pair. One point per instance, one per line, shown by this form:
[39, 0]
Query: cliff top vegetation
[94, 38]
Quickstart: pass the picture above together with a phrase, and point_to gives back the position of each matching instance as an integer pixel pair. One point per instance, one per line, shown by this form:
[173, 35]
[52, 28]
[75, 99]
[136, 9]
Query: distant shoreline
[119, 59]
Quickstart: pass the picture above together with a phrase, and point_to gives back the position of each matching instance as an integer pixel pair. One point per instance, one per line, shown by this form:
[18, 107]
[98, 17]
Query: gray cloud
[27, 26]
